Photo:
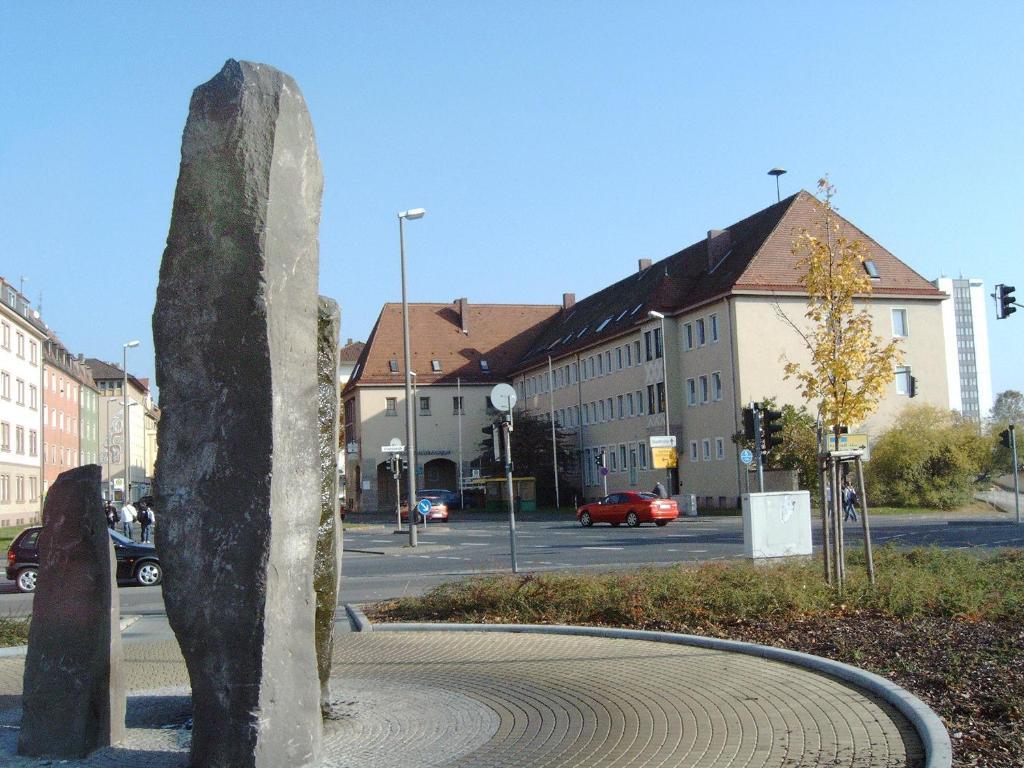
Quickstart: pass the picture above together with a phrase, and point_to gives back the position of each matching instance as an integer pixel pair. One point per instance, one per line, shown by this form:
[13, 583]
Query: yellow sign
[848, 442]
[663, 458]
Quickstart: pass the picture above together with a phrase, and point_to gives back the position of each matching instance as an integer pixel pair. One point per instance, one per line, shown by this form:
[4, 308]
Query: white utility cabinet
[777, 524]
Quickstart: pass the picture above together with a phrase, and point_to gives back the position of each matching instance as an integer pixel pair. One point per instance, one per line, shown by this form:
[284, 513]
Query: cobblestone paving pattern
[419, 699]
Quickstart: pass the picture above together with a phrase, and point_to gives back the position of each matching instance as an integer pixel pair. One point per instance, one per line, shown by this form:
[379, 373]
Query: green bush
[929, 458]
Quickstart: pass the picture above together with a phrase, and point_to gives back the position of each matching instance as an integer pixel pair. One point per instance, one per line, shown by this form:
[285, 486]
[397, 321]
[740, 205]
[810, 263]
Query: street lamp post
[410, 448]
[127, 436]
[664, 376]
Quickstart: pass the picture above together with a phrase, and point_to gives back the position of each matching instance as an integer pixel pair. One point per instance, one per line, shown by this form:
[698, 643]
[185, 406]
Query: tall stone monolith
[327, 568]
[237, 478]
[73, 698]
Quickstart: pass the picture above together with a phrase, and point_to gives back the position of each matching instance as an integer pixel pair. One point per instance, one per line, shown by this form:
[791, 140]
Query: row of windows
[19, 391]
[19, 440]
[703, 389]
[703, 451]
[458, 406]
[19, 488]
[57, 420]
[624, 457]
[65, 457]
[698, 332]
[5, 342]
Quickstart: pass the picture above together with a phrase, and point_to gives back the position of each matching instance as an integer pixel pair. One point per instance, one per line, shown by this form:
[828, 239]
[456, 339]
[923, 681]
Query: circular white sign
[503, 397]
[396, 442]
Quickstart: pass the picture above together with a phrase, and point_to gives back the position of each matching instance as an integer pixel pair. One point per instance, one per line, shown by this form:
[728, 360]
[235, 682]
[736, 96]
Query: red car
[438, 509]
[629, 507]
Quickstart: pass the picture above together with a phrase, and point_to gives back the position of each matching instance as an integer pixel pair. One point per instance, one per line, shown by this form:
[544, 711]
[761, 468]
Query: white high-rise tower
[965, 328]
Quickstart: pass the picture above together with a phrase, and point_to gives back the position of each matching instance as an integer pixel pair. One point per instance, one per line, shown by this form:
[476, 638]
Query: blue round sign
[423, 507]
[746, 456]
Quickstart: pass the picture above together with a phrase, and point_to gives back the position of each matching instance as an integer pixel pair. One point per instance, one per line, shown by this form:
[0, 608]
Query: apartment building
[70, 432]
[965, 327]
[459, 352]
[732, 304]
[21, 379]
[142, 425]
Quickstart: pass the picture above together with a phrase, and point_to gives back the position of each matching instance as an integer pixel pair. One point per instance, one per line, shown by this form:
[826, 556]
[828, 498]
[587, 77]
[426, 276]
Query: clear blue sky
[552, 143]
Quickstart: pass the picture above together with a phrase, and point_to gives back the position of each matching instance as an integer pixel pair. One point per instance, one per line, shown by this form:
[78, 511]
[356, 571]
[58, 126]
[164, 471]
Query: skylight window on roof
[871, 269]
[580, 334]
[566, 339]
[636, 309]
[435, 366]
[393, 365]
[602, 325]
[622, 314]
[485, 366]
[355, 371]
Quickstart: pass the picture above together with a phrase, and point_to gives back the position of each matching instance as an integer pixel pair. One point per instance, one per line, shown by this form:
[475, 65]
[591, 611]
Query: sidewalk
[450, 696]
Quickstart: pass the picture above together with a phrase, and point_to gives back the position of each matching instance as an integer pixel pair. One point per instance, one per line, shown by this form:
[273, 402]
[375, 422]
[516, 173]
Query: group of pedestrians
[130, 513]
[848, 498]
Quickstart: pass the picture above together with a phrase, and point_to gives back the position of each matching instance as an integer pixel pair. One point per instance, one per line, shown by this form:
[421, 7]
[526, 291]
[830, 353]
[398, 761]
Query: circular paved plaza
[411, 699]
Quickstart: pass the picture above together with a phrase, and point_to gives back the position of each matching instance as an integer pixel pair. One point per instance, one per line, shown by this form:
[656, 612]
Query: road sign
[603, 471]
[747, 456]
[848, 442]
[503, 397]
[392, 449]
[395, 441]
[663, 458]
[663, 441]
[423, 507]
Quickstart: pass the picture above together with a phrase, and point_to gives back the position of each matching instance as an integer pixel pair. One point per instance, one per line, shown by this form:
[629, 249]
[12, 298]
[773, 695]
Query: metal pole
[127, 442]
[604, 475]
[664, 376]
[865, 525]
[462, 493]
[554, 444]
[756, 408]
[396, 472]
[410, 449]
[837, 526]
[1016, 474]
[826, 504]
[506, 428]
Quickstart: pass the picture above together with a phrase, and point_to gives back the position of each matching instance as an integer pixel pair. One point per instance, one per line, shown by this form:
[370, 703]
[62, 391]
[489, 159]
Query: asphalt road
[377, 563]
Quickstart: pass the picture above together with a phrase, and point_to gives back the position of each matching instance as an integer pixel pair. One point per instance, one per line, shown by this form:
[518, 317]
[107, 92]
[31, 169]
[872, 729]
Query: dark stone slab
[73, 696]
[327, 568]
[237, 478]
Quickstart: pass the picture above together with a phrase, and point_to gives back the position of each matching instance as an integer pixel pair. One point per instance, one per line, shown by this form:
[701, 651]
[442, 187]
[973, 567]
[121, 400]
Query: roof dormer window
[871, 269]
[435, 366]
[485, 366]
[393, 365]
[602, 325]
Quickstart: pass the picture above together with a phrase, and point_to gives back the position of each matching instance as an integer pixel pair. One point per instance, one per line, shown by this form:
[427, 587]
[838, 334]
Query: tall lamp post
[776, 172]
[664, 375]
[127, 437]
[410, 448]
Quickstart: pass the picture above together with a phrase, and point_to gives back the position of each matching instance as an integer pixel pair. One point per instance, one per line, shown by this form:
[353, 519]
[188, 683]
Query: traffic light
[1005, 301]
[493, 440]
[771, 427]
[748, 423]
[599, 459]
[1006, 438]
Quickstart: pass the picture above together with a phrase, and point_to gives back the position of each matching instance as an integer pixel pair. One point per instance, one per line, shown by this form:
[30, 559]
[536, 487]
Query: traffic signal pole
[1016, 474]
[756, 407]
[507, 429]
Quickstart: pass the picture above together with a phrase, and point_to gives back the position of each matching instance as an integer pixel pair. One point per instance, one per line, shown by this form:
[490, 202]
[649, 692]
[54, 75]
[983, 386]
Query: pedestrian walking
[128, 516]
[111, 513]
[849, 503]
[659, 490]
[146, 520]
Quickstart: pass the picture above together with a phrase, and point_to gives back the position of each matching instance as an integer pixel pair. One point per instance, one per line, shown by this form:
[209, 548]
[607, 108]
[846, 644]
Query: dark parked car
[135, 562]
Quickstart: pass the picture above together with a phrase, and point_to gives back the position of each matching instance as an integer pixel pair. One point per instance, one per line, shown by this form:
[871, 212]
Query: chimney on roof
[719, 244]
[644, 264]
[349, 342]
[463, 314]
[568, 301]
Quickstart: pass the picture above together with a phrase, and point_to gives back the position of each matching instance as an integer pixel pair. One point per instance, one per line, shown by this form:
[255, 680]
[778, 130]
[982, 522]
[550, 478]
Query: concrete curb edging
[22, 650]
[933, 734]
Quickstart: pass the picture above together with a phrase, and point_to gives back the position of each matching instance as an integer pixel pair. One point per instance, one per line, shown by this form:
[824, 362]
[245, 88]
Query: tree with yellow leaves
[850, 367]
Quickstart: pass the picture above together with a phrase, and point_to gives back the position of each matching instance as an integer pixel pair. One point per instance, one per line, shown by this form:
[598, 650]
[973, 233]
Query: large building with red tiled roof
[459, 351]
[732, 303]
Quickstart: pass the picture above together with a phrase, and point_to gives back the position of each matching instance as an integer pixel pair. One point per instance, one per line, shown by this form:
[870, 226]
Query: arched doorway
[440, 473]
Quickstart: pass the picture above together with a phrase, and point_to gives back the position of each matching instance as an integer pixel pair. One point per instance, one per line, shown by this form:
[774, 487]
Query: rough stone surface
[73, 696]
[235, 329]
[327, 567]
